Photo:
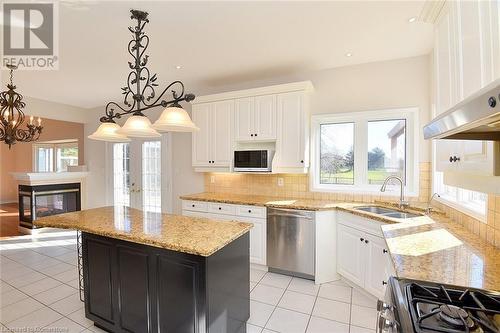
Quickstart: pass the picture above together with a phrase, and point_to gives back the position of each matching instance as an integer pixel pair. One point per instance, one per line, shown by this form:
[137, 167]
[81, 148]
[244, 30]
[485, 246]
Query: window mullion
[360, 153]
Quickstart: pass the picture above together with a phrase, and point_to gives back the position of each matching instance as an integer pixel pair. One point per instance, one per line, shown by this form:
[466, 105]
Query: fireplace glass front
[45, 200]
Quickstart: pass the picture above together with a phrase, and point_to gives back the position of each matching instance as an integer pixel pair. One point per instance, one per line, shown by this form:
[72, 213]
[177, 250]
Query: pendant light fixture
[12, 116]
[139, 96]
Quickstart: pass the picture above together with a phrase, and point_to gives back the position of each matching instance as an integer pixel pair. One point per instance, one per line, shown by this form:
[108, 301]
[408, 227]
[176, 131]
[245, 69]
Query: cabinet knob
[255, 134]
[384, 283]
[220, 208]
[249, 210]
[362, 239]
[451, 159]
[366, 241]
[384, 251]
[455, 159]
[301, 161]
[251, 134]
[192, 205]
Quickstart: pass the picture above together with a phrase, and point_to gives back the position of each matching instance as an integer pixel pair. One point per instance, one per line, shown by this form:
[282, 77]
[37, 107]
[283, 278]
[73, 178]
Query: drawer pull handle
[384, 283]
[384, 251]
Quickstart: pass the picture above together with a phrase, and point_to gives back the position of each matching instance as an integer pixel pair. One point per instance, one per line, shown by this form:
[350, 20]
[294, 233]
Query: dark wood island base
[131, 287]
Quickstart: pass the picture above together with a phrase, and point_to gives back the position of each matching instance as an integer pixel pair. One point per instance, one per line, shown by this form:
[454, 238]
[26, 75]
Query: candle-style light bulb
[39, 121]
[7, 115]
[31, 120]
[14, 123]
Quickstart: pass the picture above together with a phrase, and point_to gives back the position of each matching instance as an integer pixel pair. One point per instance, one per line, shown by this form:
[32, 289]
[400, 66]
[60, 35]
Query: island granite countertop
[198, 236]
[432, 248]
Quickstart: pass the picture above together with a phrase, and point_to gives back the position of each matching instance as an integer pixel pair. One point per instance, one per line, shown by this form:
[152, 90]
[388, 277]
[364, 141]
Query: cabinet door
[291, 124]
[244, 119]
[258, 240]
[469, 38]
[377, 270]
[445, 55]
[265, 118]
[446, 149]
[351, 254]
[489, 12]
[222, 116]
[201, 138]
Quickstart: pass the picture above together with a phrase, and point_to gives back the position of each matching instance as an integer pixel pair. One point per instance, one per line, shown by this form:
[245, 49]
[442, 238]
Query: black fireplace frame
[32, 191]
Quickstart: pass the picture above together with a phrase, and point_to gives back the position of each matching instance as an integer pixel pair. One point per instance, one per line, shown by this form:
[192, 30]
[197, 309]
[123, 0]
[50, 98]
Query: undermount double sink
[387, 212]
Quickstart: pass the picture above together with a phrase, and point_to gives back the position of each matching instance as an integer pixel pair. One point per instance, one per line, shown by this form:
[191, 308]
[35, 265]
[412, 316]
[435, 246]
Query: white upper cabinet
[259, 118]
[292, 146]
[211, 147]
[265, 118]
[255, 118]
[466, 59]
[244, 113]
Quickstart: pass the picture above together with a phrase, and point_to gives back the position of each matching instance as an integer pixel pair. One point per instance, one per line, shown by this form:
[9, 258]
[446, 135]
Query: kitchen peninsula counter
[153, 272]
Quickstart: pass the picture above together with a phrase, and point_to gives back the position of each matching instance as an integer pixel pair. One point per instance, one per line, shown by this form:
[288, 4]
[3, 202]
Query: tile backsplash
[297, 186]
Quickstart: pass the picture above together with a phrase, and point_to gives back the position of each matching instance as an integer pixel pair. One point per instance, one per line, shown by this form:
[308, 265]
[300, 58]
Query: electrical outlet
[281, 182]
[212, 179]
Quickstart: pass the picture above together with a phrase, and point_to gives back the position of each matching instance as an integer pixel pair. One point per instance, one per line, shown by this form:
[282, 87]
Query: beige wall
[20, 157]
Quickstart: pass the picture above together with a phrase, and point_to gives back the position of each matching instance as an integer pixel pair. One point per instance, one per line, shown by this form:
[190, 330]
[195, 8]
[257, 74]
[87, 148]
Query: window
[151, 176]
[469, 202]
[55, 156]
[356, 152]
[337, 153]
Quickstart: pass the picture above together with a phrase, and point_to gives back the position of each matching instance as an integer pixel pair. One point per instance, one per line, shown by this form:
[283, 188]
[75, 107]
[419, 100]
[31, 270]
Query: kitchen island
[152, 272]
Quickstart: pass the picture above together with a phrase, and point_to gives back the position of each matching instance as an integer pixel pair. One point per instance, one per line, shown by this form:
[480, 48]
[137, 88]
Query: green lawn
[374, 176]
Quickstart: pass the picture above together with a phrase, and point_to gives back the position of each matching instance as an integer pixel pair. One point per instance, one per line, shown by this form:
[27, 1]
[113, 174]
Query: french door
[137, 175]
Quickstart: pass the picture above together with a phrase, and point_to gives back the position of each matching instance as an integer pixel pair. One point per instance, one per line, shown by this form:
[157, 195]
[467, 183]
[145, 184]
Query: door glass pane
[337, 153]
[386, 150]
[151, 176]
[66, 156]
[121, 174]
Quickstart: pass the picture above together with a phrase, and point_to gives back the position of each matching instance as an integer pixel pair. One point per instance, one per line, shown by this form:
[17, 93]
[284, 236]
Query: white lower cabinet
[363, 257]
[229, 212]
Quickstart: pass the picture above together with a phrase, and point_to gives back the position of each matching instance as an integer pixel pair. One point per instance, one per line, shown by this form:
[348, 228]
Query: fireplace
[37, 201]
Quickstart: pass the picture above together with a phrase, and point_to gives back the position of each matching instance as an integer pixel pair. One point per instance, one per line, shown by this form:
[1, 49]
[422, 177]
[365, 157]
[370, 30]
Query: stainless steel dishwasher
[291, 242]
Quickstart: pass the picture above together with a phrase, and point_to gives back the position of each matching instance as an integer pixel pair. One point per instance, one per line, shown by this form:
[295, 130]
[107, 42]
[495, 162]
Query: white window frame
[360, 120]
[54, 145]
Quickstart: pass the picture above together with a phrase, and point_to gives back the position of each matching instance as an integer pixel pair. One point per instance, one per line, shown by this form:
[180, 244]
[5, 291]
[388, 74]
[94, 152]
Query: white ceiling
[221, 43]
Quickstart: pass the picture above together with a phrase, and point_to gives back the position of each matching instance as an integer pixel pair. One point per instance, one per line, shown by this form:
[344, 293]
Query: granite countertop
[259, 200]
[431, 248]
[199, 236]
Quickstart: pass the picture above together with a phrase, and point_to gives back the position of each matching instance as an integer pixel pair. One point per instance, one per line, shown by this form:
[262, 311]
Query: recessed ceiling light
[412, 19]
[178, 66]
[348, 54]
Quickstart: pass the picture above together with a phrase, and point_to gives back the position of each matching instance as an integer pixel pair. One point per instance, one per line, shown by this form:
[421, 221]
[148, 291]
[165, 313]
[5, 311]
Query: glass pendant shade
[175, 119]
[108, 132]
[139, 127]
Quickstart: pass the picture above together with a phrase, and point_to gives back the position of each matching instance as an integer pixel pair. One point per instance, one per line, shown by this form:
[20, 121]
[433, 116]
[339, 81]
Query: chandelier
[139, 96]
[12, 116]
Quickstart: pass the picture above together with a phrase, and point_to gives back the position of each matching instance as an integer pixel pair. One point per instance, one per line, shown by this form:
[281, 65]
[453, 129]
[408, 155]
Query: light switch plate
[212, 179]
[281, 181]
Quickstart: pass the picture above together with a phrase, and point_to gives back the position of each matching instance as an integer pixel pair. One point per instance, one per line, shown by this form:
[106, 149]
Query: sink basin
[388, 212]
[376, 210]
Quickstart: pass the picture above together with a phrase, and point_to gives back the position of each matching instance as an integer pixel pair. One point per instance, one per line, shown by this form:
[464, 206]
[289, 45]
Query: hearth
[37, 201]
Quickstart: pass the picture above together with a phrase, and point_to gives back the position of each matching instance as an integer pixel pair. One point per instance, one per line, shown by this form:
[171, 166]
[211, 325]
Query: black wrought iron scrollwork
[139, 94]
[12, 116]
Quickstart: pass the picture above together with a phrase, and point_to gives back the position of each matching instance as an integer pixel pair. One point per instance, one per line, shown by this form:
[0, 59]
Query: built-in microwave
[253, 160]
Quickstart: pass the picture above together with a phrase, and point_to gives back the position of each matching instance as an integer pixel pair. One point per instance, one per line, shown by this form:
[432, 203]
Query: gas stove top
[425, 307]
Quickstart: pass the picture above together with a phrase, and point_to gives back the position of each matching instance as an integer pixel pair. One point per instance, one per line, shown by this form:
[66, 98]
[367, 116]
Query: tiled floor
[39, 290]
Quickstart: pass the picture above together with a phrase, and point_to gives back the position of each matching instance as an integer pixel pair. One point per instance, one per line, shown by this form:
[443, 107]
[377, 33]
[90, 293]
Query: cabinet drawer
[221, 208]
[197, 206]
[251, 211]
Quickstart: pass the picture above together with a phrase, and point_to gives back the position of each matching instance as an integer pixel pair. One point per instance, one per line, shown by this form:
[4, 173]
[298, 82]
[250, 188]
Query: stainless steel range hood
[475, 118]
